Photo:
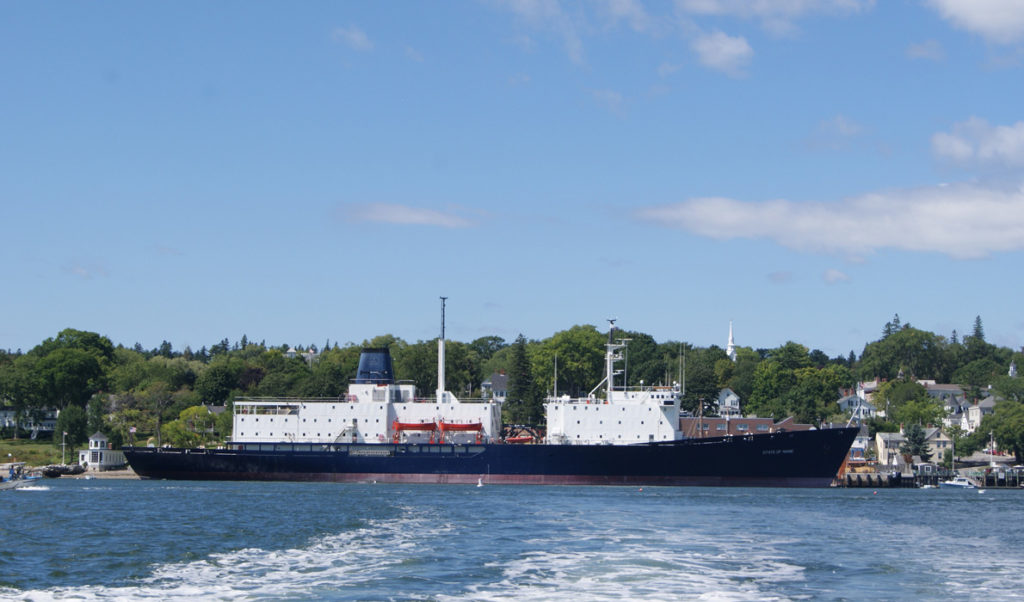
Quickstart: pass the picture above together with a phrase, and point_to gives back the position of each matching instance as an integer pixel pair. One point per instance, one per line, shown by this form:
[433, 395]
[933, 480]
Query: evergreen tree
[523, 405]
[915, 443]
[979, 331]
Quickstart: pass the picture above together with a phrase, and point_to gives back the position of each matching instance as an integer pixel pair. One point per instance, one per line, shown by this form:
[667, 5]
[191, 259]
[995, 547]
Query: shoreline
[126, 473]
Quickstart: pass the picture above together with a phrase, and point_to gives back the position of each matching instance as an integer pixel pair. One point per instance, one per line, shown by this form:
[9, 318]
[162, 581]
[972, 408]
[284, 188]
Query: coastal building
[43, 424]
[978, 410]
[101, 455]
[496, 387]
[856, 407]
[888, 446]
[728, 404]
[866, 389]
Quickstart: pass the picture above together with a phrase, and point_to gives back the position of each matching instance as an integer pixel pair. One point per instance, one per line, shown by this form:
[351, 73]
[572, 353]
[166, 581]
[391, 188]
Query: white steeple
[730, 349]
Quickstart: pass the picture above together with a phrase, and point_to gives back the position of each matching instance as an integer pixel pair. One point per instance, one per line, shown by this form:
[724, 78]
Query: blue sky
[192, 171]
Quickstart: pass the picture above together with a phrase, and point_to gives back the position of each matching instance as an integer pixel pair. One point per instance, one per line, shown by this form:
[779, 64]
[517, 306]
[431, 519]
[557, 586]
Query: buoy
[875, 493]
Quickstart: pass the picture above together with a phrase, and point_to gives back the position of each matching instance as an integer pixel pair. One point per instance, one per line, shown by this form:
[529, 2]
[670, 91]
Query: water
[120, 539]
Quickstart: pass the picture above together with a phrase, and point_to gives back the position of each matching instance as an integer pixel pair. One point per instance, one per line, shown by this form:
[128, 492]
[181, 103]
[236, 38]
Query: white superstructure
[377, 409]
[624, 416]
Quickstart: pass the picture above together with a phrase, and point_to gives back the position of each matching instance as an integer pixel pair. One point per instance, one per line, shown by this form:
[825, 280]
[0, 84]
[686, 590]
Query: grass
[34, 453]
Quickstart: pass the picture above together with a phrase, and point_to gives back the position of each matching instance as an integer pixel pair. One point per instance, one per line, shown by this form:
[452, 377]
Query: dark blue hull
[791, 459]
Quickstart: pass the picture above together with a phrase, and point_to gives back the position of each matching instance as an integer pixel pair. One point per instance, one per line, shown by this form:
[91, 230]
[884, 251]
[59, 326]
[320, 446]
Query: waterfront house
[728, 404]
[856, 407]
[496, 387]
[887, 446]
[978, 410]
[101, 455]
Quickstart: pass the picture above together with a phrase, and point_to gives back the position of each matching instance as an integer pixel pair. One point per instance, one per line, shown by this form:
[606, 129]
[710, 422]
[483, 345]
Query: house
[101, 455]
[866, 390]
[728, 404]
[888, 446]
[979, 410]
[42, 425]
[857, 407]
[496, 387]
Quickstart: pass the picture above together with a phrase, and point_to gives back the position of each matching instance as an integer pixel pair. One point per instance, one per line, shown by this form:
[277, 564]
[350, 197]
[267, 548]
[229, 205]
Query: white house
[858, 408]
[728, 404]
[979, 410]
[101, 455]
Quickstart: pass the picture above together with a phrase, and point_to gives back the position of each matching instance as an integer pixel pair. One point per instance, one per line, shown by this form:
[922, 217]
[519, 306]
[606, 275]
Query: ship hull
[791, 459]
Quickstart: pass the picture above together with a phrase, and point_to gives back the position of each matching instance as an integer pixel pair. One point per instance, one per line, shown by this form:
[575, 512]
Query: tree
[915, 443]
[1006, 423]
[523, 405]
[580, 353]
[96, 415]
[73, 421]
[158, 397]
[70, 376]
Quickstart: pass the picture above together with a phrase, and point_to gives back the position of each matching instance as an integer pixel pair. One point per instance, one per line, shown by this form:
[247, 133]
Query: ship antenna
[440, 358]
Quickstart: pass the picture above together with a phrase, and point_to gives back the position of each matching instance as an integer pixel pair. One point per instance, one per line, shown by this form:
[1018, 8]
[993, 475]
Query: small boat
[13, 475]
[958, 483]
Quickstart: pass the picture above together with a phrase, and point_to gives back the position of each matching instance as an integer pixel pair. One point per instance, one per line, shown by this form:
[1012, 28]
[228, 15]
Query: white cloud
[86, 271]
[835, 133]
[1000, 21]
[413, 55]
[929, 49]
[631, 11]
[963, 221]
[777, 16]
[833, 276]
[353, 37]
[666, 69]
[723, 52]
[609, 99]
[404, 215]
[548, 14]
[976, 141]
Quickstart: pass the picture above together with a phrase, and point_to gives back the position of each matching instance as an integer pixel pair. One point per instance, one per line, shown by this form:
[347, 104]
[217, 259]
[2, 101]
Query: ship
[382, 431]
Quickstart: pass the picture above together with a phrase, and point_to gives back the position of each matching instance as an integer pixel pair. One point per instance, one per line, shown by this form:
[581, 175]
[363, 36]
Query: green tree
[523, 404]
[915, 443]
[73, 421]
[96, 415]
[1006, 423]
[21, 387]
[580, 353]
[69, 376]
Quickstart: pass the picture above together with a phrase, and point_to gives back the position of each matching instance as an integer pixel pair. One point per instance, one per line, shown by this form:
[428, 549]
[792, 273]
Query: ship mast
[440, 358]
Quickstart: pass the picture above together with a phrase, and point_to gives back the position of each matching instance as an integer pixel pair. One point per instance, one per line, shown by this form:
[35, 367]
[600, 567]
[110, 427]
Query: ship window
[257, 420]
[332, 407]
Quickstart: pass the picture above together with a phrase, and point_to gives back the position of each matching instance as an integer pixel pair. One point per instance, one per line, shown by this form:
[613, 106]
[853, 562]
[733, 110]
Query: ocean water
[167, 540]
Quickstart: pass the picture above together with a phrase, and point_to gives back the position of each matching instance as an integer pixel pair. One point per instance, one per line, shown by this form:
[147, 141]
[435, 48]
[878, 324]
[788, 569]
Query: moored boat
[382, 431]
[958, 482]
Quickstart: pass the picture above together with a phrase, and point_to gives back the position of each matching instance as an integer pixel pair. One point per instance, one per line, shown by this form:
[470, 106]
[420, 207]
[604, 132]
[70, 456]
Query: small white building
[728, 404]
[101, 455]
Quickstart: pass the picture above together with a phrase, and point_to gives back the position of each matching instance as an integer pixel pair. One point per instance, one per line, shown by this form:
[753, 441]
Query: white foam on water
[340, 564]
[33, 488]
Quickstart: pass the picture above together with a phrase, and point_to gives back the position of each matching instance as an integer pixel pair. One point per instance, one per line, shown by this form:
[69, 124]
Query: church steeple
[730, 349]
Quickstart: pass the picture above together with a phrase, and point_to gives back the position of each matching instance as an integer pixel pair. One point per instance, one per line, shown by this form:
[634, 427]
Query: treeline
[99, 386]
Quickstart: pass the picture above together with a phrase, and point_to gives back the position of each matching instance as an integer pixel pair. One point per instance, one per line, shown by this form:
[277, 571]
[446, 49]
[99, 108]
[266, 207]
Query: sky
[326, 171]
